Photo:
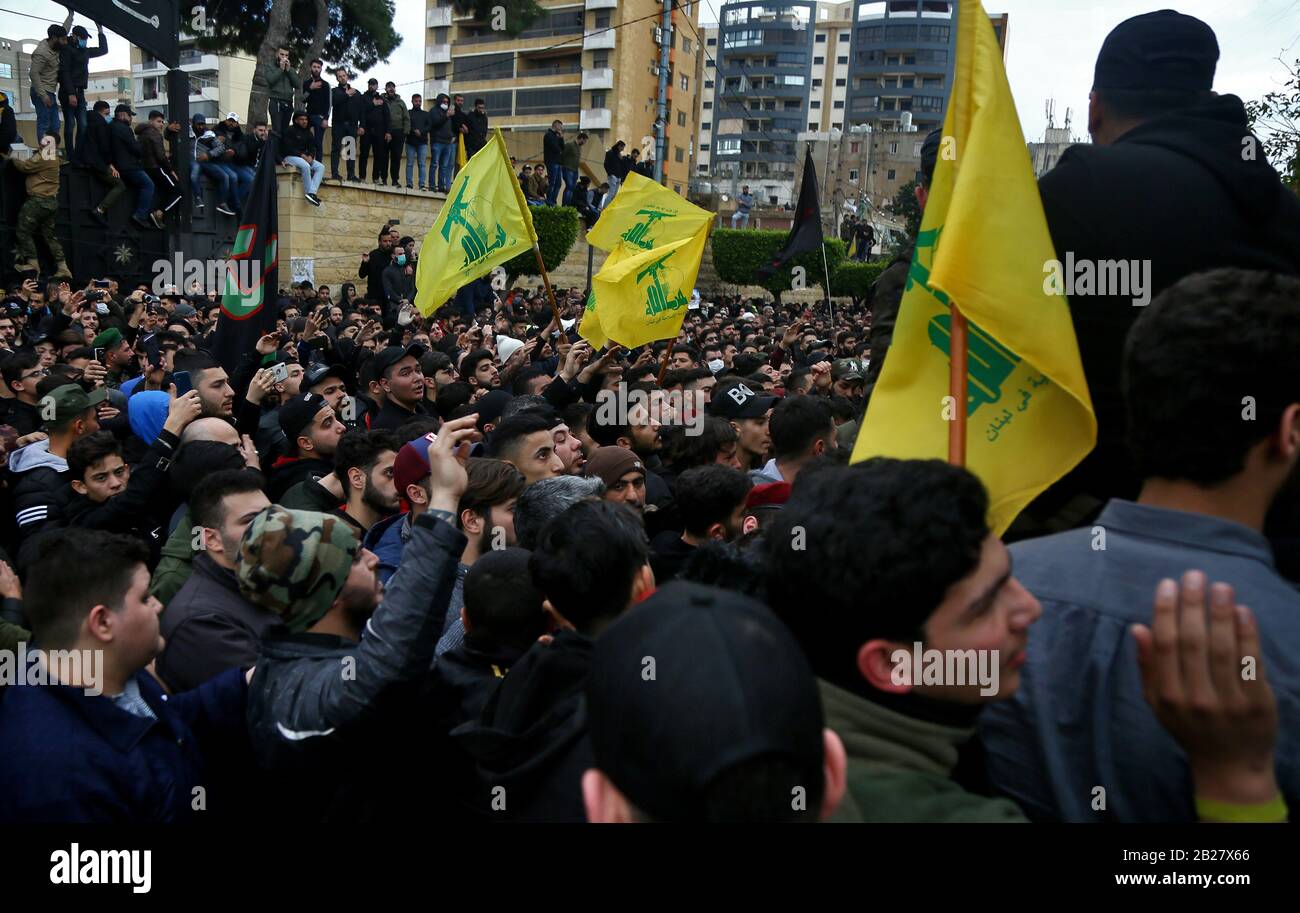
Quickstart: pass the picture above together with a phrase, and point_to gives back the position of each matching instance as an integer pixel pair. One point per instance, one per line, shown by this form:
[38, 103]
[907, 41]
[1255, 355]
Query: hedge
[557, 231]
[855, 279]
[739, 253]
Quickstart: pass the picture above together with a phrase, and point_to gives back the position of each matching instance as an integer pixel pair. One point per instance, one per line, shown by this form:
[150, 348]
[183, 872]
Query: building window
[706, 126]
[484, 66]
[679, 154]
[711, 42]
[6, 71]
[839, 104]
[686, 45]
[814, 104]
[793, 104]
[708, 83]
[821, 38]
[853, 175]
[598, 99]
[819, 61]
[706, 105]
[842, 59]
[893, 148]
[837, 126]
[889, 175]
[681, 118]
[540, 101]
[686, 83]
[817, 84]
[812, 125]
[599, 61]
[602, 20]
[841, 82]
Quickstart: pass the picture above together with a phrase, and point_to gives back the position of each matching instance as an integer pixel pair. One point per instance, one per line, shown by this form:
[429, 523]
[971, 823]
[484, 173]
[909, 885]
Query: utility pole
[661, 122]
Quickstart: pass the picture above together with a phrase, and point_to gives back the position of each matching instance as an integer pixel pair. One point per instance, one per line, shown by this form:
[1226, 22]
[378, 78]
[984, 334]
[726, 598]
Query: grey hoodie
[39, 482]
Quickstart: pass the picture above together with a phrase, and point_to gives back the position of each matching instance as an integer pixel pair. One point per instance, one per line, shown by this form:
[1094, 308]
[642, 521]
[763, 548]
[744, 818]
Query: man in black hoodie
[477, 134]
[1168, 188]
[312, 431]
[374, 133]
[318, 106]
[346, 103]
[592, 563]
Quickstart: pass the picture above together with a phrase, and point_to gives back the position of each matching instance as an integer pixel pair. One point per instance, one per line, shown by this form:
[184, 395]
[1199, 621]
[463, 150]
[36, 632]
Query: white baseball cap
[233, 116]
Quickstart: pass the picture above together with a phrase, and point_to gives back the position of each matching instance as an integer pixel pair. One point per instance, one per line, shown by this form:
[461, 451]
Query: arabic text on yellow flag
[638, 297]
[983, 245]
[483, 223]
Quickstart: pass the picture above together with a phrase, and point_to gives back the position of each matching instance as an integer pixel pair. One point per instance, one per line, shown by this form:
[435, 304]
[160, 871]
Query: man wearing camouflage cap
[321, 702]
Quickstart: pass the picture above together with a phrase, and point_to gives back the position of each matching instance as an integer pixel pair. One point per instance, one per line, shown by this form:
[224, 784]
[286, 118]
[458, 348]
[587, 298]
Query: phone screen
[183, 383]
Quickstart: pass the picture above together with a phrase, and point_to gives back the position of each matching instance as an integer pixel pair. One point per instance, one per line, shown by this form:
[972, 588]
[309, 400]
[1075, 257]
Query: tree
[353, 33]
[1277, 116]
[906, 207]
[738, 255]
[557, 230]
[514, 15]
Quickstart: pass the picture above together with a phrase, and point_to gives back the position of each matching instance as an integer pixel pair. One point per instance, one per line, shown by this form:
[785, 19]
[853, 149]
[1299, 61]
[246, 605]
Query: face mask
[716, 365]
[81, 42]
[401, 259]
[443, 106]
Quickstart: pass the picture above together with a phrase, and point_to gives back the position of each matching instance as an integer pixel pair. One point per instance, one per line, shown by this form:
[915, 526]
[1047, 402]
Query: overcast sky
[1053, 44]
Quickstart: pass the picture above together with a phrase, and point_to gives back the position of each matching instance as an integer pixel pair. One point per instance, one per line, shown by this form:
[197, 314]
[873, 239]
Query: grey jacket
[281, 85]
[301, 710]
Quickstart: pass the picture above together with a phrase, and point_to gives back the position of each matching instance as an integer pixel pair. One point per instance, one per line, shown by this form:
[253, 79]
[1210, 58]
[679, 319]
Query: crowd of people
[468, 567]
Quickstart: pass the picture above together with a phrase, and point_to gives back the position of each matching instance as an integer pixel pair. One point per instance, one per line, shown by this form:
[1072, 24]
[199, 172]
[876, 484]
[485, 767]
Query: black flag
[150, 24]
[252, 284]
[806, 233]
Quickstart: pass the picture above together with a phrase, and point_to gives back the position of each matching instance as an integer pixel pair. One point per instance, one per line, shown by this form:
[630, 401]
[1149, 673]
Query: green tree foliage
[557, 230]
[517, 14]
[855, 279]
[360, 34]
[906, 207]
[1277, 117]
[738, 254]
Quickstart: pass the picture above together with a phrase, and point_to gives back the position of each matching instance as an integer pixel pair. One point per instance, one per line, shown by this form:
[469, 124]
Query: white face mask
[443, 106]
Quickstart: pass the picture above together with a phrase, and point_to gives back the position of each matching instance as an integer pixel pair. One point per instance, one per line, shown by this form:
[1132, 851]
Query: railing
[574, 30]
[548, 71]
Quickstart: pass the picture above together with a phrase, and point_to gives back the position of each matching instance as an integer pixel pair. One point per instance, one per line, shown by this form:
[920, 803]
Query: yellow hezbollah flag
[484, 222]
[460, 150]
[655, 240]
[983, 247]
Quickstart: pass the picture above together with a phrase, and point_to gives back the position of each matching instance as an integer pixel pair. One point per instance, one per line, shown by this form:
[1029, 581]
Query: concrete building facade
[15, 76]
[592, 64]
[219, 83]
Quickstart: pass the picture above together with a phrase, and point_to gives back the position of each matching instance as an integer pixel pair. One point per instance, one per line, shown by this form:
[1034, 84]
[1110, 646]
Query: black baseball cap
[730, 684]
[318, 373]
[127, 108]
[298, 413]
[393, 354]
[739, 401]
[1160, 50]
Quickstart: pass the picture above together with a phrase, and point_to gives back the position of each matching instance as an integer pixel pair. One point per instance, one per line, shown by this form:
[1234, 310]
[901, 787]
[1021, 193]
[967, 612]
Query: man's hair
[479, 101]
[1141, 104]
[501, 601]
[544, 500]
[490, 482]
[417, 427]
[362, 450]
[72, 571]
[797, 422]
[206, 507]
[710, 494]
[883, 541]
[17, 365]
[508, 436]
[528, 373]
[603, 433]
[451, 397]
[756, 791]
[842, 408]
[87, 451]
[690, 351]
[1192, 355]
[196, 362]
[469, 364]
[80, 352]
[56, 31]
[682, 451]
[587, 559]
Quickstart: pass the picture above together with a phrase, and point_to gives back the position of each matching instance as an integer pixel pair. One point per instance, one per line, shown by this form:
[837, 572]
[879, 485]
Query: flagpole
[668, 353]
[957, 388]
[826, 269]
[546, 280]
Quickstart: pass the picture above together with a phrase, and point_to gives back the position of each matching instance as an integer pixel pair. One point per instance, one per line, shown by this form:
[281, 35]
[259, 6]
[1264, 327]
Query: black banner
[150, 24]
[806, 233]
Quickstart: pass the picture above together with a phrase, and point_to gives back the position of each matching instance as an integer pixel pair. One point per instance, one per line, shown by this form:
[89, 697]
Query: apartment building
[15, 78]
[113, 86]
[219, 83]
[592, 64]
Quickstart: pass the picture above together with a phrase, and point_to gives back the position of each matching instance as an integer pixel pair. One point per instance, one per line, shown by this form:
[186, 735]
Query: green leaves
[738, 255]
[557, 231]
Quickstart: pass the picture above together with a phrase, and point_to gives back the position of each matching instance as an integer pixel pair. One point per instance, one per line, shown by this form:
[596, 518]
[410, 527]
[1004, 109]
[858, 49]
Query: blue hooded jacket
[147, 412]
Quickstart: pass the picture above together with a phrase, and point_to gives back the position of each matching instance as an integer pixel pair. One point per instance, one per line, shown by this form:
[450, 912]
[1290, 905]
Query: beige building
[592, 64]
[15, 78]
[219, 83]
[113, 86]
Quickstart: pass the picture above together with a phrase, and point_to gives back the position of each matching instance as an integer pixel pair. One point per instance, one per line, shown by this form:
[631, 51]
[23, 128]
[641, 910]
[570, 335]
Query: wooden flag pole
[668, 353]
[827, 271]
[546, 280]
[957, 362]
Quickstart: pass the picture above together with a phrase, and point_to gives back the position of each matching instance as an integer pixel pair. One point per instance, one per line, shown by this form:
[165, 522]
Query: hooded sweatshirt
[147, 413]
[39, 483]
[1178, 192]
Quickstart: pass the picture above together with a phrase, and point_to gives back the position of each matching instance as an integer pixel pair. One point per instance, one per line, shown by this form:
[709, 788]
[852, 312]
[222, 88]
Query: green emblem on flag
[473, 218]
[657, 300]
[636, 235]
[237, 300]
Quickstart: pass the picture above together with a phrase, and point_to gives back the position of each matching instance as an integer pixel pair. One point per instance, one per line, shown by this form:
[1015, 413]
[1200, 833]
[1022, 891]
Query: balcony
[602, 4]
[598, 79]
[558, 70]
[437, 53]
[595, 119]
[438, 17]
[598, 41]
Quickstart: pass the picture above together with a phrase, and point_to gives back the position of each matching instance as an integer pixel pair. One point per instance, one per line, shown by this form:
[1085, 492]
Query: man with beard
[363, 464]
[312, 431]
[210, 379]
[802, 429]
[479, 369]
[208, 625]
[711, 501]
[748, 413]
[624, 476]
[399, 374]
[332, 744]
